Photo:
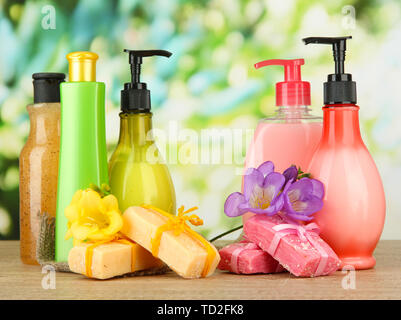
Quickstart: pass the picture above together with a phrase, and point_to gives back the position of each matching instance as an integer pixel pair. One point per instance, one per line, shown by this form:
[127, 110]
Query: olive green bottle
[137, 172]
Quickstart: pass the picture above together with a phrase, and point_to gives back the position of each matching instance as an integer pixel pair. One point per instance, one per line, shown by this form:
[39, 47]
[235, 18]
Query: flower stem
[302, 174]
[103, 190]
[225, 233]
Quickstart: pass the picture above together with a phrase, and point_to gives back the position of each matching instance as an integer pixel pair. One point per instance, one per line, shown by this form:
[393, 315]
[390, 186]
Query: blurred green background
[209, 82]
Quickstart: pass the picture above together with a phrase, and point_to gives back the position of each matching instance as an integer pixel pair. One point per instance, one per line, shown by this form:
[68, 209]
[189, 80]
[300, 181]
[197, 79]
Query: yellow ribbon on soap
[89, 251]
[178, 224]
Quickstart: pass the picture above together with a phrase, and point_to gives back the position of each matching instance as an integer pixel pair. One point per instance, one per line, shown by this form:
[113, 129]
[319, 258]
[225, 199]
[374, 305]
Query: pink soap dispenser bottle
[291, 135]
[353, 213]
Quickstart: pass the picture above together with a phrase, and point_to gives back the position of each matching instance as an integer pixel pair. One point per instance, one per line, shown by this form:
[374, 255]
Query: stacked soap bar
[305, 255]
[183, 253]
[111, 259]
[247, 258]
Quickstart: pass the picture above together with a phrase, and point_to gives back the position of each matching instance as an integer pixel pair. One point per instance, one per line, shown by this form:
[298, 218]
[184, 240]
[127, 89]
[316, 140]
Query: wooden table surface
[19, 281]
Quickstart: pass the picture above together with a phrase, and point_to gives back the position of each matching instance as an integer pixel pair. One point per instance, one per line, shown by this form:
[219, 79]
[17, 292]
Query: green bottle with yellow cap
[83, 153]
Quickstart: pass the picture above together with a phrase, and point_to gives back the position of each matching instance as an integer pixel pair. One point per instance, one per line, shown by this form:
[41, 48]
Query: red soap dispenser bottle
[353, 213]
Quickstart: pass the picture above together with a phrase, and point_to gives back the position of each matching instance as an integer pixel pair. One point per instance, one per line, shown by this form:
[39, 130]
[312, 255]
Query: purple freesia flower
[290, 174]
[262, 192]
[303, 198]
[268, 192]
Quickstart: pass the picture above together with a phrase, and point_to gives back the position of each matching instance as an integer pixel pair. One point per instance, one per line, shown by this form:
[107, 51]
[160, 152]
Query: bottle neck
[292, 111]
[341, 124]
[135, 128]
[293, 114]
[44, 123]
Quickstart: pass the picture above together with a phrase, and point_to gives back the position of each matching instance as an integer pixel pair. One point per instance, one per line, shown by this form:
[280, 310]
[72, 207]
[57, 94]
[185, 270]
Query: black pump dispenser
[339, 88]
[135, 97]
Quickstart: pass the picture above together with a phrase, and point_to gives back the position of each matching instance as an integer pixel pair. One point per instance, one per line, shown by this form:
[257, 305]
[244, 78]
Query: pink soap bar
[299, 257]
[238, 258]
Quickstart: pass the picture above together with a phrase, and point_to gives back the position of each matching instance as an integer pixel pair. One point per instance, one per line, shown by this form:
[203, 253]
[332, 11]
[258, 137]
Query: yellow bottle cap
[82, 66]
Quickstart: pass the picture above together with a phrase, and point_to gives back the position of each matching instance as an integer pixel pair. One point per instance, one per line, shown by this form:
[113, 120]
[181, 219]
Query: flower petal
[300, 201]
[232, 204]
[274, 207]
[115, 224]
[277, 204]
[313, 204]
[300, 190]
[305, 207]
[71, 212]
[90, 203]
[266, 168]
[252, 178]
[110, 202]
[80, 231]
[273, 183]
[291, 174]
[77, 196]
[100, 236]
[318, 188]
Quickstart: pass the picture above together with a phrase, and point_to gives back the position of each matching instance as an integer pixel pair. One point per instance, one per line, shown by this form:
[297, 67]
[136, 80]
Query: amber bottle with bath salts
[38, 162]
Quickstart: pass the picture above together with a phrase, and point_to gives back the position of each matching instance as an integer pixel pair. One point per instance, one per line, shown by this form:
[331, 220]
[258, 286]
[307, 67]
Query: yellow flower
[93, 218]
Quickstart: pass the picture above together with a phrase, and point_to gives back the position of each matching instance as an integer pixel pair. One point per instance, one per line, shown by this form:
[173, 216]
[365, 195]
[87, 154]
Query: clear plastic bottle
[291, 135]
[38, 162]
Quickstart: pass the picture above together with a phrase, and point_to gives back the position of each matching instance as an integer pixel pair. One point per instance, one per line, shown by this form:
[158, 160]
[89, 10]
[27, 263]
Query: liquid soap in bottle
[291, 135]
[138, 174]
[353, 213]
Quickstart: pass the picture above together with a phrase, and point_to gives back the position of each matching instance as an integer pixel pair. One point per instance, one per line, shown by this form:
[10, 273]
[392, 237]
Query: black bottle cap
[136, 97]
[46, 86]
[339, 88]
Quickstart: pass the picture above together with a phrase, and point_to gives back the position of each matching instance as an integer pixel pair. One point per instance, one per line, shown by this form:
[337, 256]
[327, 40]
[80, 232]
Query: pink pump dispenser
[353, 213]
[292, 134]
[293, 91]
